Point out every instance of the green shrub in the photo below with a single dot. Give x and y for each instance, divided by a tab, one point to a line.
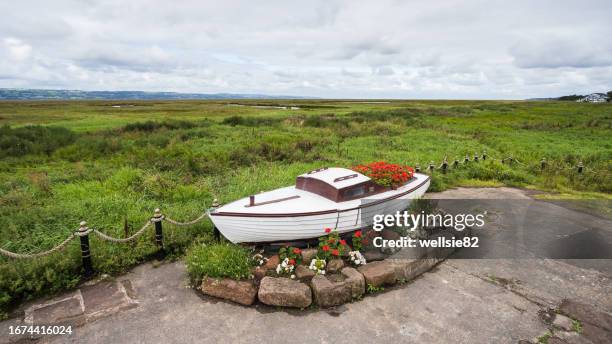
34	139
218	260
149	126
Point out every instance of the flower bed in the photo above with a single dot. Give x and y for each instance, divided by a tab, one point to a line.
331	274
386	174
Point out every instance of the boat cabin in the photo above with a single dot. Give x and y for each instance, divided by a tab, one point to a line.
338	184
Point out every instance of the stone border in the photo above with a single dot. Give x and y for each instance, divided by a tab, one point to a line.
344	285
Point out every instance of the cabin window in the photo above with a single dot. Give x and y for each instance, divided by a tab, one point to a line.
354	192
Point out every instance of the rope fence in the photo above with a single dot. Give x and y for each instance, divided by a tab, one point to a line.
83	234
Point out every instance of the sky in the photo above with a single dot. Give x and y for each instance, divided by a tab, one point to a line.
331	49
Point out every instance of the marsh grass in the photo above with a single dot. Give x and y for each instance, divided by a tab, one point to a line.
104	165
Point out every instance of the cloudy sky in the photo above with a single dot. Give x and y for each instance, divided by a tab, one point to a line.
360	49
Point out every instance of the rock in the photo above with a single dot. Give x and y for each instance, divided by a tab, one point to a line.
373	255
328	293
303	273
333	290
334	265
272	262
586	314
378	273
259	273
409	269
308	254
243	292
279	291
389	234
355	280
562	322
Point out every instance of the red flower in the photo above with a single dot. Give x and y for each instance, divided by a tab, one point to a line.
358	234
327	230
325	248
342	242
291	261
335	252
297	250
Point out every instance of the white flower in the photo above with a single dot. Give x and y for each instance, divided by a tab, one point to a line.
292	276
322	272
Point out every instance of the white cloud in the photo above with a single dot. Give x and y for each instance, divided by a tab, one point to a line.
17	50
400	49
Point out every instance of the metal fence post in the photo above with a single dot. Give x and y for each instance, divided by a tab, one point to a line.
85	253
444	165
159	234
580	167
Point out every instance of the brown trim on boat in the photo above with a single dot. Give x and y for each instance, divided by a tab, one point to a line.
322	212
272	201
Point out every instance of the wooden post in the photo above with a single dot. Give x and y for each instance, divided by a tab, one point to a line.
431	167
159	234
88	270
251	200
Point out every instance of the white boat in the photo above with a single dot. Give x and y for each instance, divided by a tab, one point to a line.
336	198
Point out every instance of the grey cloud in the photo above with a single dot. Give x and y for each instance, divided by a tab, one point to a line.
574	52
329	48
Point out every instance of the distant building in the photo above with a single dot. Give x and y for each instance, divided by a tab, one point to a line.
594	98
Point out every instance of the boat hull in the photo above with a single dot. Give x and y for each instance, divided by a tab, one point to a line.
246	228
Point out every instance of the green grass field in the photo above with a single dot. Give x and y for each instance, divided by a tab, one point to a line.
62	162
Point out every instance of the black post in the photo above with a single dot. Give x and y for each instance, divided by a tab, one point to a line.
444	166
543	164
580	167
159	234
431	167
85	253
467	159
417	168
475	157
484	155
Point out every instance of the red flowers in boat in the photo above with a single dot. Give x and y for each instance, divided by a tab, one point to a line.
325	248
357	234
386	174
328	230
336	253
291	261
297	251
342	242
